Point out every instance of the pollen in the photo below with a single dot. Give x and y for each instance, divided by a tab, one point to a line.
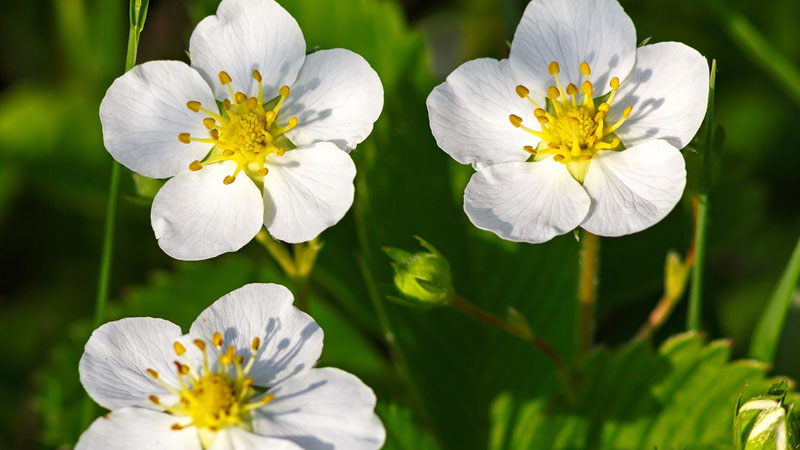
212	398
245	132
573	129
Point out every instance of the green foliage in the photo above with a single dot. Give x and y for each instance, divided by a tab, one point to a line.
680	396
768	421
768	330
402	432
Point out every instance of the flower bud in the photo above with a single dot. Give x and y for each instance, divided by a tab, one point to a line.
763	423
422	278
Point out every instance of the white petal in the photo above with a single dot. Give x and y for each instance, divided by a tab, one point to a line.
633	189
307	190
291	341
248	35
526	202
144	111
236	438
469	114
195	216
337	98
668	90
571	32
323	409
138	429
113	368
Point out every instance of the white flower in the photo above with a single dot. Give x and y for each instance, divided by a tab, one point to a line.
242	378
603	155
161	119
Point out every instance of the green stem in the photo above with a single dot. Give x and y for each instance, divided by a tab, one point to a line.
693	318
488	318
137	17
587	288
108	246
756	46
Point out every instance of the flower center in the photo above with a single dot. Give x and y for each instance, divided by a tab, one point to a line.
212	399
244	133
572	131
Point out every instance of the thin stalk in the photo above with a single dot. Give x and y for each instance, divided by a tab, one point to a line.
278	252
488	318
741	31
587	288
297	266
137	17
693	318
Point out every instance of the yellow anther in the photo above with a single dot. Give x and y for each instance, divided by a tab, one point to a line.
247	382
226	181
585	68
529	149
153	399
281	151
195	166
182	369
194	105
209	123
226	104
522	91
179	348
176	427
240	98
152	373
552	93
543	120
270	116
263	171
603	107
515	120
627	112
255	344
252	103
284	91
558	158
214	134
257	75
216	339
572	89
199	343
224	78
228	153
614	83
587	88
553	68
185	138
539	112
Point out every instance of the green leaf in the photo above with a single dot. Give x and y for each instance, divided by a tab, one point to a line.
680	396
402	431
766	336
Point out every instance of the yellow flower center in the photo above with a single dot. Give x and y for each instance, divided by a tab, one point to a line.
245	133
572	131
213	400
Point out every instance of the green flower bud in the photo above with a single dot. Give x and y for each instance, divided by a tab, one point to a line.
422	278
764	423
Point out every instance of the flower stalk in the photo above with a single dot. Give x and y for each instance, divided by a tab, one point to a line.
522	332
297	265
696	293
587	288
138	13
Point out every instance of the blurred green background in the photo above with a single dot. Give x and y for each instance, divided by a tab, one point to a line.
437	382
